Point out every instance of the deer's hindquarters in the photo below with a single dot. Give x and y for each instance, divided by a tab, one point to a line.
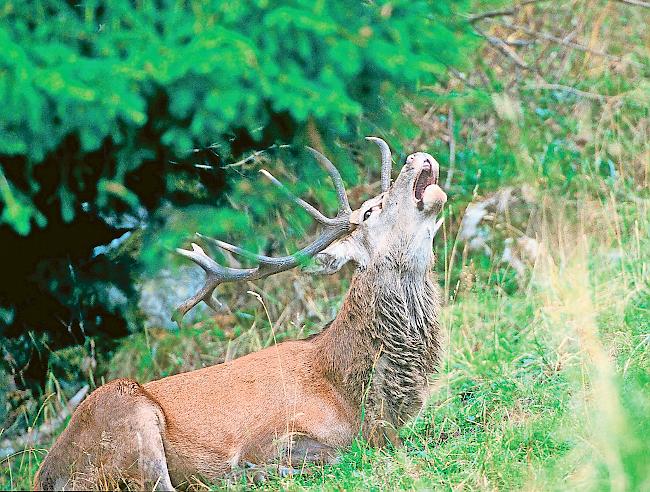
114	437
269	406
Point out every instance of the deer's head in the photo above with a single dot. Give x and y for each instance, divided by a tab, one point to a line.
398	220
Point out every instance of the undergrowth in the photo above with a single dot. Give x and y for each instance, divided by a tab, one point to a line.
543	389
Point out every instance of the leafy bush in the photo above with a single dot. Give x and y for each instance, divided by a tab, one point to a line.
142	83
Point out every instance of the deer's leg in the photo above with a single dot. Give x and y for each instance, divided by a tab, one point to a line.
304	449
152	462
114	437
260	473
300	450
125	441
129	441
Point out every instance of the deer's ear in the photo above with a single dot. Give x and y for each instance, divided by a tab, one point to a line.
337	254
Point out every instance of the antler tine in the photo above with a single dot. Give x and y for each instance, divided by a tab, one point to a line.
214	275
386	161
344	204
311	210
239	251
332	229
217	274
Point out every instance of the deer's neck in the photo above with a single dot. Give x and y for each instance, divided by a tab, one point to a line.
387	332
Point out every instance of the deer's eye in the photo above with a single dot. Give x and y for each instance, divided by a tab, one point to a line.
367	214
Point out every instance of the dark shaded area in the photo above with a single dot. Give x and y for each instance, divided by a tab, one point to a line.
53	286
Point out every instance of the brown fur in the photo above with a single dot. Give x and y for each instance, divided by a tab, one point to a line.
303	398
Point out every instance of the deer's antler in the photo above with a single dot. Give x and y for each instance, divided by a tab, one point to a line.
386	162
332	229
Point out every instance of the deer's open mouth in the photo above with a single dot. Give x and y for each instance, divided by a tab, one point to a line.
424	179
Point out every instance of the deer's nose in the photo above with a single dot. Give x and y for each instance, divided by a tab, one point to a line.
410	158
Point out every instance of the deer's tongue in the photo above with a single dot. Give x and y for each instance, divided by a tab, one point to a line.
424	179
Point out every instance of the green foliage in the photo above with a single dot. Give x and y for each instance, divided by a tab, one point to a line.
187	74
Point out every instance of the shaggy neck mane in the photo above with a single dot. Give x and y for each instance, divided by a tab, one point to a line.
387	332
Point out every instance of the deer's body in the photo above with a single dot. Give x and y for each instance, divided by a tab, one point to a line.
294	402
255	407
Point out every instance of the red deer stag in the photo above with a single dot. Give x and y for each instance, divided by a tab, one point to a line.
298	401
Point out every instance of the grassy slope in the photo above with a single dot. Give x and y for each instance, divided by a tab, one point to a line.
544	389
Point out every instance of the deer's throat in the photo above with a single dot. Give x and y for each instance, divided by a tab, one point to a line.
388	321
